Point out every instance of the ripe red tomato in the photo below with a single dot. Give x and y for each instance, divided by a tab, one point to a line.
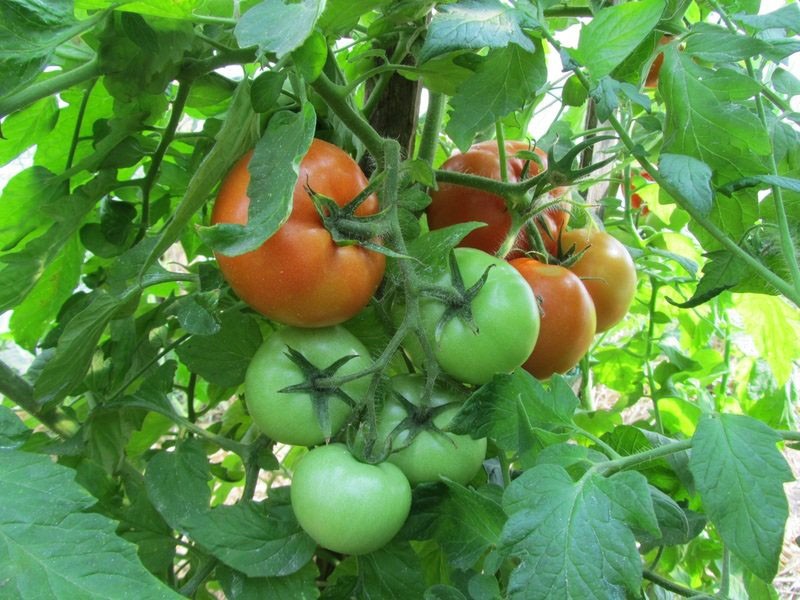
652	75
607	271
567	317
452	204
636	199
300	276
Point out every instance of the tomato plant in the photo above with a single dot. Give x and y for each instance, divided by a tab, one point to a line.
431	453
567	317
607	270
294	417
300	276
496	330
348	506
178	326
453	203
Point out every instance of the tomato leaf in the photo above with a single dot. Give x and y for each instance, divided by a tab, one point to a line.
261	539
177	482
723	271
394	572
278	27
785	17
474	24
740	474
606	96
13	432
222	358
494	410
504	82
51	548
761	181
297	586
574	540
75	350
691	177
717	45
274	169
266	89
614	33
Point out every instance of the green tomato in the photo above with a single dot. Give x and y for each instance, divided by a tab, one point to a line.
290	418
506	321
348	506
431	454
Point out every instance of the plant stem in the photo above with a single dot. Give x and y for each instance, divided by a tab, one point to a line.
607	450
19	391
334	96
655	286
399	54
670	585
155	164
73	147
633	460
48	87
200	575
433	125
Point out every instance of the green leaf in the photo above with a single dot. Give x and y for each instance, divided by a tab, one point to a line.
717	45
443	592
691	177
222	358
25	128
723	271
740	474
340	16
574	94
392	573
614	33
310	58
785	17
494	409
13	432
196	313
177	483
503	83
784	81
274	168
606	96
772	323
29	31
75	350
260	539
297	586
278	27
574	540
472	25
677	526
35	313
177	9
49	548
266	90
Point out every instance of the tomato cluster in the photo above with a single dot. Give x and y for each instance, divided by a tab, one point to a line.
309	382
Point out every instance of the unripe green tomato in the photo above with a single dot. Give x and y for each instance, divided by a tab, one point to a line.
506	319
430	455
348	506
289	418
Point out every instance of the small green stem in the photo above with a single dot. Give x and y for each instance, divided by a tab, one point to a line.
155	164
335	98
501	151
655	286
73	147
200	575
48	87
634	460
429	141
607	450
670	585
587	398
725	576
400	52
20	392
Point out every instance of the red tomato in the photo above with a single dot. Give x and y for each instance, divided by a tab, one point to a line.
452	204
652	75
606	270
567	317
300	276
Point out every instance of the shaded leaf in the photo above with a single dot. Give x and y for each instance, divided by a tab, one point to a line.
278	27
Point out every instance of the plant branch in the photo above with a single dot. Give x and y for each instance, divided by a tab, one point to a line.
670	585
335	98
19	391
634	460
48	87
433	125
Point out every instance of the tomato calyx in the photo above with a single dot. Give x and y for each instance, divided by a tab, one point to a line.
457	299
347	228
418	420
321	387
560	172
